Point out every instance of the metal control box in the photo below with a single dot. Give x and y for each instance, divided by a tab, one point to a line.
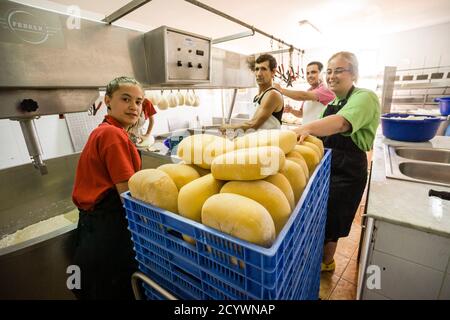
177	57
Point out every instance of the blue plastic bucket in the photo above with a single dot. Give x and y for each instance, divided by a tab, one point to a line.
172	142
444	105
409	130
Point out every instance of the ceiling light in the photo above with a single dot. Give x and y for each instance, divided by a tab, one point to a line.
307	24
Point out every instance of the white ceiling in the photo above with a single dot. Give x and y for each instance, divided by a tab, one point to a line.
339	21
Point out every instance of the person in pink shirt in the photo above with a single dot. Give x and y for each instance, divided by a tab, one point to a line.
314	100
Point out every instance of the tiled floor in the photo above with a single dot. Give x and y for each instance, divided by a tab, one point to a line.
341	284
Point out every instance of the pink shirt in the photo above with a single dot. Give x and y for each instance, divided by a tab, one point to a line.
324	95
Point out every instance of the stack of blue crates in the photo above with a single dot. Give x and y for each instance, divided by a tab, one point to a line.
222	267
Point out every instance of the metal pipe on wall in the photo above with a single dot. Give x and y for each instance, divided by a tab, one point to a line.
126	9
233	101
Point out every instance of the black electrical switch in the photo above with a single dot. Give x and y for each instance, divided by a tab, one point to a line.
190	65
179	63
199	66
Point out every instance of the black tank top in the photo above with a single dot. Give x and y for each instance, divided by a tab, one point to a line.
277	114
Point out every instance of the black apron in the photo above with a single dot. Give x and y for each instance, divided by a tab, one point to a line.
104	251
347	181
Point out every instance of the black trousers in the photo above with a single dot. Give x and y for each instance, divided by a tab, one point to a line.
104	252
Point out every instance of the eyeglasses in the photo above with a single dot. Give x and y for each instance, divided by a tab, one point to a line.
337	71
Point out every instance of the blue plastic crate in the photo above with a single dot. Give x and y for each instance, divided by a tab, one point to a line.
220	266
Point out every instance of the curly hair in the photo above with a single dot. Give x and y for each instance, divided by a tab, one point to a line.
268	57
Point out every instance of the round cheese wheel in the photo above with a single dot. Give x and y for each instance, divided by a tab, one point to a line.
294	173
181	174
284	139
283	184
193	195
266	194
248	164
155	187
248	220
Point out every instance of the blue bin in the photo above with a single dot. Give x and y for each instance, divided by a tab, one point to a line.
444	105
222	267
409	130
172	142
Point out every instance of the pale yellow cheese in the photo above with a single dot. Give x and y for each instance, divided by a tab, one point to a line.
284	139
191	149
318	142
216	148
248	164
266	194
181	174
202	172
294	173
300	160
240	217
312	146
189	239
283	184
193	195
310	156
155	187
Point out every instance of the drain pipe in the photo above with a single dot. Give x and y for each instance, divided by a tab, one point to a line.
32	141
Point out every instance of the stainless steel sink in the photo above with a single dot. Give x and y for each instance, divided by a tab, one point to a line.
426	171
424	165
423	154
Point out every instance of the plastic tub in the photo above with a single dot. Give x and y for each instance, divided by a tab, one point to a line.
410	130
444	105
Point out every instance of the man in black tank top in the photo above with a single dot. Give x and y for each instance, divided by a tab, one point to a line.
268	101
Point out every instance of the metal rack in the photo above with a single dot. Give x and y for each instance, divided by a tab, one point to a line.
406	89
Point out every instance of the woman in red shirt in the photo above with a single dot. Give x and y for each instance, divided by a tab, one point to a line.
104	250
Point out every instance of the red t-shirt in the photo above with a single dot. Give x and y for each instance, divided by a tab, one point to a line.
147	107
108	158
